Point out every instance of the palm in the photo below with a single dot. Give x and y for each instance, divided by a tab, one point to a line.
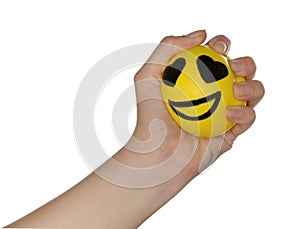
203	151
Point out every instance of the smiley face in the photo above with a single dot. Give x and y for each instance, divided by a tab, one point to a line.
197	87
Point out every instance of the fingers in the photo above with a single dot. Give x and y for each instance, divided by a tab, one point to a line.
240	114
243	67
168	47
220	44
244	117
251	91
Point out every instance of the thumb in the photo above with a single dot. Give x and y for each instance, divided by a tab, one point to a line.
167	48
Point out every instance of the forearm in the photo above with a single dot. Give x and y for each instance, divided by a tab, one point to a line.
96	203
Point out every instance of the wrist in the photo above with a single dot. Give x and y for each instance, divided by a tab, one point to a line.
143	190
169	167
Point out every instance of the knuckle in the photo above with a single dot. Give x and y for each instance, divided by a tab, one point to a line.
262	89
138	76
251	63
168	40
223	38
252	115
259	88
220	43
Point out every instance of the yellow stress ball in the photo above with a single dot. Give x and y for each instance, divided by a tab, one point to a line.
197	87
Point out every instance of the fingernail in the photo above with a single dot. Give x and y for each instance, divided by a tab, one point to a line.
221	47
195	34
242	90
237	66
234	114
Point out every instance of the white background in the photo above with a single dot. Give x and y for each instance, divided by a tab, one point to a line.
47	47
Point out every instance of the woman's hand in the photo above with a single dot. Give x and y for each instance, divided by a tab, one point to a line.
161	137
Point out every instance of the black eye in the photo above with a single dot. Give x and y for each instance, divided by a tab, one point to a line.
173	71
211	70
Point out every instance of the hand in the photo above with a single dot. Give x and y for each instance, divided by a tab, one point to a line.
198	153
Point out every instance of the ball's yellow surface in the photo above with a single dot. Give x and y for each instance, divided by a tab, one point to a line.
197	87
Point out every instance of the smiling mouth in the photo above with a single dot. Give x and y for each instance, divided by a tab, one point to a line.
215	98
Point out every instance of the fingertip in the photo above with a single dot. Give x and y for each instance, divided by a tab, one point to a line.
242	90
252	91
220	44
243	67
197	33
241	114
234	113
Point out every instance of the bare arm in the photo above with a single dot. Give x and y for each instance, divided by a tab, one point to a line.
96	203
102	203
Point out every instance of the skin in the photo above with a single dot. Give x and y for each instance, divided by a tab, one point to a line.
96	203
